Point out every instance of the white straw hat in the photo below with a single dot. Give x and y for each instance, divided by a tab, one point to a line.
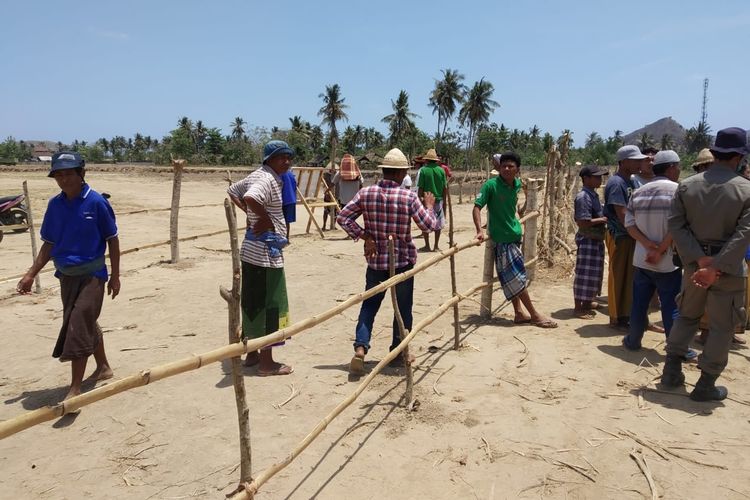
395	159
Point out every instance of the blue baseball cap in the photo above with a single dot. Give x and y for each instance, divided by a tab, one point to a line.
273	148
65	160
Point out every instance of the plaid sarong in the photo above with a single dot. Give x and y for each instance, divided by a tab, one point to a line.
589	269
511	270
439	214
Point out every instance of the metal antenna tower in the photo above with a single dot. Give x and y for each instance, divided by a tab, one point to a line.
705	98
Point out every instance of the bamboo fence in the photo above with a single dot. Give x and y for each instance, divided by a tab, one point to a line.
145	377
263	477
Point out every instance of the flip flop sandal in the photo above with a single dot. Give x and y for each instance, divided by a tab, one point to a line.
545	324
281	370
586	315
524	321
357	366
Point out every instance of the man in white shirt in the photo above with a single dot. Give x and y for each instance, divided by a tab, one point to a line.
646	222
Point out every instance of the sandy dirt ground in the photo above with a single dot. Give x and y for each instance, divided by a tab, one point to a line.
500	422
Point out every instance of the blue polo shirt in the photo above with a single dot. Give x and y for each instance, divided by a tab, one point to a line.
78	229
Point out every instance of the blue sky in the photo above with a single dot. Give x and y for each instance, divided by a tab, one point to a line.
91	69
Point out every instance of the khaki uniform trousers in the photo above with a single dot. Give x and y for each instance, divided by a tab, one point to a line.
724	302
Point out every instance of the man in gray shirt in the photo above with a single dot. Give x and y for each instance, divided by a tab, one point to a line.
710	224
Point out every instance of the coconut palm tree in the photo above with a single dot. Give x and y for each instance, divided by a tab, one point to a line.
645	141
333	111
400	122
593	139
238	128
447	93
476	109
666	142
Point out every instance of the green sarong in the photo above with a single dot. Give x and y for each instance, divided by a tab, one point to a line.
265	308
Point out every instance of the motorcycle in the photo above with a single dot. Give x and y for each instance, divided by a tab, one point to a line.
13	213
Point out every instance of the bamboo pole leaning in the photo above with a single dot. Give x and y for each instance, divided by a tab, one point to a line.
252	488
35	417
238	379
32	233
409	394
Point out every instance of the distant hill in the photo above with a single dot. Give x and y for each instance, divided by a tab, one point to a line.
657	130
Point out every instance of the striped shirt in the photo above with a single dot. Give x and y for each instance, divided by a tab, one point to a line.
648	209
387	209
263	186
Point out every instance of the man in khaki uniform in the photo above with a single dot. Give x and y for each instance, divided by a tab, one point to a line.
710	224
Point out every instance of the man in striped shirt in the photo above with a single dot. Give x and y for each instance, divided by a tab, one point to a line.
265	307
646	222
387	209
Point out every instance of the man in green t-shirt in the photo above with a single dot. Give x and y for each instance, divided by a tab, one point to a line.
500	195
432	180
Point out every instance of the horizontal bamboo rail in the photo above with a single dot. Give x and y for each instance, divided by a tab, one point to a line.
263	477
132	250
13	227
35	417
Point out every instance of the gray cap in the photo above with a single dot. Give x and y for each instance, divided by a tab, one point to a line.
666	156
630	153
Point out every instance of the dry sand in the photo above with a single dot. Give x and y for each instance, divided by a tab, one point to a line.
499	427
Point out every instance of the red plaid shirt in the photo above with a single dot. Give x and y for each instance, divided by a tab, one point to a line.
387	208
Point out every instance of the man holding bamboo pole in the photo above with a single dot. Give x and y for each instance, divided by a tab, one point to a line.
388	210
78	226
265	308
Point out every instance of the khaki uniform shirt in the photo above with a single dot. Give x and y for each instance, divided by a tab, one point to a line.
713	208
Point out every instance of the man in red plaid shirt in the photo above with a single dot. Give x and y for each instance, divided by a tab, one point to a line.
387	209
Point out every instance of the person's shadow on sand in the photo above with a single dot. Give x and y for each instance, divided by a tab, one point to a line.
635	357
33	400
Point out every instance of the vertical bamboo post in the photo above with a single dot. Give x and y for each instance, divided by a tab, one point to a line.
174	244
32	233
530	232
409	395
451	244
488	275
233	305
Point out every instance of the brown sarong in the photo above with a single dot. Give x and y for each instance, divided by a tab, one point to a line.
82	298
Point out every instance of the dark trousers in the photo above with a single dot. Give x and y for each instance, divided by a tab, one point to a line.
371	306
645	282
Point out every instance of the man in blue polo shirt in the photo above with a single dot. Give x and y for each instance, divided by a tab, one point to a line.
78	225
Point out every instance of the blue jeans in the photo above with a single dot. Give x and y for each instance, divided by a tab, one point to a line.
645	282
370	307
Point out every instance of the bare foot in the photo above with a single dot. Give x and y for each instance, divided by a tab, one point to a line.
425	248
521	319
542	322
102	373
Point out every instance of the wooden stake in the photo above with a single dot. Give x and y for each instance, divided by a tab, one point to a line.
252	488
177	166
238	380
530	232
35	417
310	213
32	233
488	275
409	394
456	326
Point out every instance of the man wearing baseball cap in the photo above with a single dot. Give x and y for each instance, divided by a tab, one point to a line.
589	217
78	226
710	224
620	245
654	270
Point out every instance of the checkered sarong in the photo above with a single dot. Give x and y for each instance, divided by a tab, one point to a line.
439	210
511	270
589	269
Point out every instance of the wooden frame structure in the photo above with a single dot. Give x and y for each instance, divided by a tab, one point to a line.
311	191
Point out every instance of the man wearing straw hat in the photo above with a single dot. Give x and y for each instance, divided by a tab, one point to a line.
703	161
265	307
78	226
387	210
432	179
710	224
500	195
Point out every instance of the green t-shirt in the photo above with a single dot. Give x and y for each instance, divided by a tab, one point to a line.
432	179
501	201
